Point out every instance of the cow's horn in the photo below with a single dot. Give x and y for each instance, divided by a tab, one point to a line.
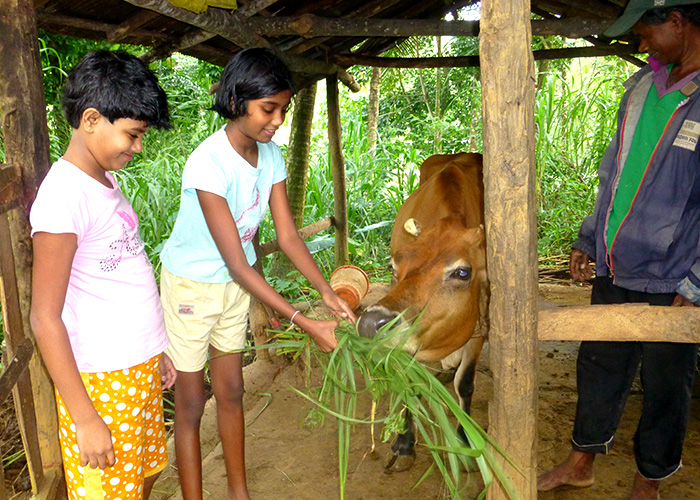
411	226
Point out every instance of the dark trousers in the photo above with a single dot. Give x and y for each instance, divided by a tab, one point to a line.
605	372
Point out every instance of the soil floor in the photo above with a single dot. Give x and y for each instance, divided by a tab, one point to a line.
286	460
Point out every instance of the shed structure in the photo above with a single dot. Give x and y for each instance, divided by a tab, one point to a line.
319	39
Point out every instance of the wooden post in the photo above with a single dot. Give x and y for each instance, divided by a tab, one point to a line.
26	141
335	143
508	96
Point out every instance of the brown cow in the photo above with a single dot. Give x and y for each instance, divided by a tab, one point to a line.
438	254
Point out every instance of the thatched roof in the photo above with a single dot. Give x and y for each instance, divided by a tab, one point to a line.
316	37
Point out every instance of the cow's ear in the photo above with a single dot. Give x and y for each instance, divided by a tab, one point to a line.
411	226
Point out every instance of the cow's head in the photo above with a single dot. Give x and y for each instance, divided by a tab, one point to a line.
441	288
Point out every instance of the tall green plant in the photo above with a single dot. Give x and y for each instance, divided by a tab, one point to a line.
575	118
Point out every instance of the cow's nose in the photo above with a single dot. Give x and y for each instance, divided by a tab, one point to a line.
372	320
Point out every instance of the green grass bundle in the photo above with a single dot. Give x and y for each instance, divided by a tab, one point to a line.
380	368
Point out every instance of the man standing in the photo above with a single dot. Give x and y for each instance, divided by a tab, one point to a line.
644	238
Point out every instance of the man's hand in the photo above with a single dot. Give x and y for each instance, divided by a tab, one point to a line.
578	265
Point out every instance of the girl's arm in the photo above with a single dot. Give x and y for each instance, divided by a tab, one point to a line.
53	259
297	252
225	234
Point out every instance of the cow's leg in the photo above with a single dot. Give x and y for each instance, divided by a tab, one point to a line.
466	373
403	451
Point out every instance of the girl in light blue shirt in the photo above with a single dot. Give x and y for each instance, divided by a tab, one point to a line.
207	279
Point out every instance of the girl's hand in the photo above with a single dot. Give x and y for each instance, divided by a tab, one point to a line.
168	373
95	444
323	333
338	306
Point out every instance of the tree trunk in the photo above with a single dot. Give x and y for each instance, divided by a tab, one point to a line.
340	200
26	143
375	82
297	167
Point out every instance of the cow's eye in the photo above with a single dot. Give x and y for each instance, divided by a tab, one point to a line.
462	273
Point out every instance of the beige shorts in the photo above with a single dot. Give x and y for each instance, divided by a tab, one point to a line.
198	315
131	404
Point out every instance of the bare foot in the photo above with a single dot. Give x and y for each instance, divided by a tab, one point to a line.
577	470
644	489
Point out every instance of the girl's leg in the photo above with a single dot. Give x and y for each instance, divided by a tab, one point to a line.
148	483
189	407
227	384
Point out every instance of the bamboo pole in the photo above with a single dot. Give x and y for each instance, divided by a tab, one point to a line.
340	204
508	96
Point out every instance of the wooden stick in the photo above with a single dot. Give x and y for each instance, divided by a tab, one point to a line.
305	232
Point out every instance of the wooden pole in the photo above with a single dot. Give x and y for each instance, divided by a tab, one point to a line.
26	142
508	97
335	143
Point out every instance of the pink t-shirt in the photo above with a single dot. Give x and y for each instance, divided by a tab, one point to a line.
112	310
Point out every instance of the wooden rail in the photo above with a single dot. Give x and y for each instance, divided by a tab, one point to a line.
620	322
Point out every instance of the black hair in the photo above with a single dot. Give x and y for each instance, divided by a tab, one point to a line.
250	74
118	85
659	15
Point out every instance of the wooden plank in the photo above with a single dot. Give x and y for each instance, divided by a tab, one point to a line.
620	322
508	98
14	337
14	370
335	145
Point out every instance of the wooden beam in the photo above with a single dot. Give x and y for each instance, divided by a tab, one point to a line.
200	36
238	32
508	100
620	322
166	50
310	26
134	22
62	21
592	40
368	10
617	49
216	21
335	145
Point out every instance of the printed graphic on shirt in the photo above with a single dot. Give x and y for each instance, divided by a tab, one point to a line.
250	232
687	138
130	242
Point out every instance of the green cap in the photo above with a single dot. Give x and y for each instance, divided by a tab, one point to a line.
635	10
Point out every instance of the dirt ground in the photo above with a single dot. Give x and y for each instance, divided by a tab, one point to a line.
288	461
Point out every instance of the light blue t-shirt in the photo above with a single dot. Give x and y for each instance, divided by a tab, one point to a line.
217	168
